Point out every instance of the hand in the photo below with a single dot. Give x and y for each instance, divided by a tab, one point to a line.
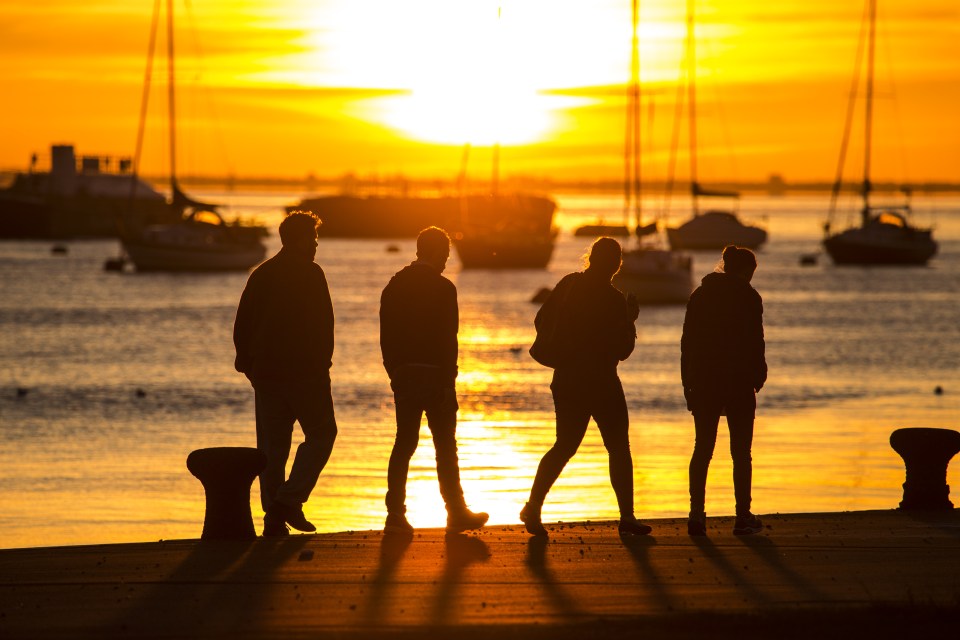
633	307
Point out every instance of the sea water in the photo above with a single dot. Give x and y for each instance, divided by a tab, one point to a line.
109	380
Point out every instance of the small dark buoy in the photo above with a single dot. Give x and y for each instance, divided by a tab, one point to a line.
938	390
141	393
114	264
516	349
59	249
808	259
22	391
541	296
392	248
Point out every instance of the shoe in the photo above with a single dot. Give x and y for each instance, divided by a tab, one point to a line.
747	524
293	516
630	527
397	524
465	520
530	517
274	527
697	525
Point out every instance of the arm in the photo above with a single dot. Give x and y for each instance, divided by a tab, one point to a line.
326	329
245	326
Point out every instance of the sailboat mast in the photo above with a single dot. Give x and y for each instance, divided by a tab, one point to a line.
868	121
171	101
631	150
692	100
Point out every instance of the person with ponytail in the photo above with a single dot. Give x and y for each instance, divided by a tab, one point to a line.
722	367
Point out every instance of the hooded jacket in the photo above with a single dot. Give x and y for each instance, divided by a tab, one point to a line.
722	341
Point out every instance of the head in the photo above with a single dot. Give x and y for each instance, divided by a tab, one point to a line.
433	247
298	233
739	262
605	257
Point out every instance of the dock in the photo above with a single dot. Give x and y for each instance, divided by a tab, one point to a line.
846	575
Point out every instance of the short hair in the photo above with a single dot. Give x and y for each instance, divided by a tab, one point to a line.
738	260
432	241
297	225
605	254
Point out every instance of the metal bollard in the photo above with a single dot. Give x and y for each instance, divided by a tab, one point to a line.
226	474
926	453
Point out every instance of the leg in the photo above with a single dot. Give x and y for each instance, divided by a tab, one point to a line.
409	413
741	410
274	434
705	421
441	413
610	412
573	416
313	405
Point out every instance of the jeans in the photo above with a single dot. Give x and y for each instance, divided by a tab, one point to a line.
278	405
740	404
576	399
417	392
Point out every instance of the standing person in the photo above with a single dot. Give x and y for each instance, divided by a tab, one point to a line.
419	321
723	367
284	339
592	327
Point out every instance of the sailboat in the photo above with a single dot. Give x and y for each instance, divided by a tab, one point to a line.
885	235
652	274
200	240
715	228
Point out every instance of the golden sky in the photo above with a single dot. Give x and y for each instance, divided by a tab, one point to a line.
288	87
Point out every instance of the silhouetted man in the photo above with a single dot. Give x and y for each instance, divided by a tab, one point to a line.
284	339
593	330
419	320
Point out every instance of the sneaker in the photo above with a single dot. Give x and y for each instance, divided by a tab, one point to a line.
530	517
697	525
747	524
397	524
274	527
294	517
465	520
630	527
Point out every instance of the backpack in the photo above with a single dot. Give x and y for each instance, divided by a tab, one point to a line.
548	346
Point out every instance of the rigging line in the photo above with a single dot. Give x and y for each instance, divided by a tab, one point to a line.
675	136
848	121
885	38
692	102
144	99
868	125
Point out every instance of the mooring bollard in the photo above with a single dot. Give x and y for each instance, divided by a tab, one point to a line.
926	453
226	474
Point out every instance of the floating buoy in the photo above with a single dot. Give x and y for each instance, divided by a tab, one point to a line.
808	259
141	393
392	248
59	249
114	264
516	349
22	391
938	390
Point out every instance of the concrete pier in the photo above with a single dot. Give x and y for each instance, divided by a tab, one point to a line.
846	575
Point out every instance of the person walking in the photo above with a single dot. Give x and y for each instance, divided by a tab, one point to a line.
588	328
723	367
283	335
419	321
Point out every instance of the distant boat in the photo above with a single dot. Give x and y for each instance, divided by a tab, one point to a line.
85	197
600	228
650	273
885	235
198	239
715	229
510	231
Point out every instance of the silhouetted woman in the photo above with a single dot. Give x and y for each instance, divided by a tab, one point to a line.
722	366
593	330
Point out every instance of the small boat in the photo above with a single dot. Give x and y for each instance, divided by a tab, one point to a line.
652	274
715	229
198	239
885	235
505	232
602	229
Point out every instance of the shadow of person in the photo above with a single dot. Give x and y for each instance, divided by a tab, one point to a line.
461	551
737	579
393	546
768	551
639	549
536	561
205	588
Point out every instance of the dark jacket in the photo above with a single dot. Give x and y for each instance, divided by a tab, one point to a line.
594	330
419	320
722	341
284	325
